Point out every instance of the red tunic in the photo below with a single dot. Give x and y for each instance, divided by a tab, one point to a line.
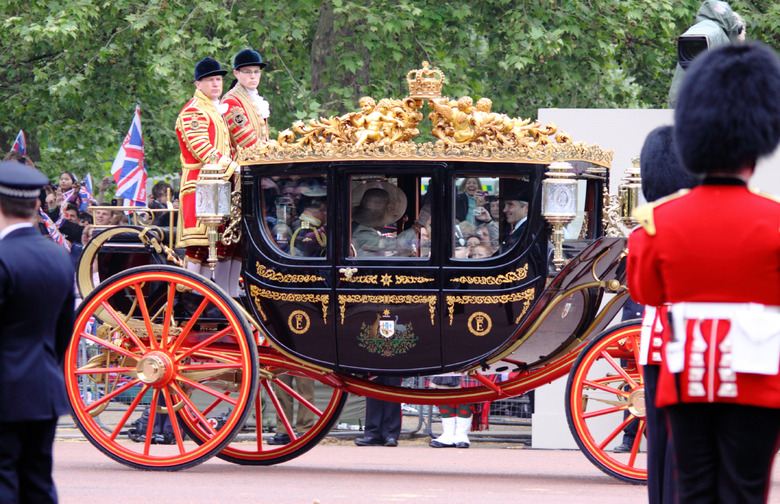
712	244
247	126
202	134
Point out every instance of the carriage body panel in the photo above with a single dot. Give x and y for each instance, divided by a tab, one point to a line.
440	313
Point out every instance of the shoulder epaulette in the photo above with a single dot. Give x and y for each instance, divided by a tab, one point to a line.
763	194
644	213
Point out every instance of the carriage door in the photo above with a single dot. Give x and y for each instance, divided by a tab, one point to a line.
387	278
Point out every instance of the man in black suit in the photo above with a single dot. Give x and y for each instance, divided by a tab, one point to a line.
36	320
516	212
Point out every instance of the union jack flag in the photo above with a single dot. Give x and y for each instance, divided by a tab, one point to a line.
51	228
20	144
88	184
129	168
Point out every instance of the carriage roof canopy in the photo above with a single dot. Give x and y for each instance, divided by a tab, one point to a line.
386	129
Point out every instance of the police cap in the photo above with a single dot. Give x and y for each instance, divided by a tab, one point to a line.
18	180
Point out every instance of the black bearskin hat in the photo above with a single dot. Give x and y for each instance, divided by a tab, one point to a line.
248	57
208	67
728	112
662	172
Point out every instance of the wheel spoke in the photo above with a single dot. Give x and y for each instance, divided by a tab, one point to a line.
105	370
620	428
129	332
279	411
109	345
259	421
619	369
205	389
208	409
168	315
298	397
111	395
214	337
130	410
190	324
196	413
605	411
150	422
209	366
596	385
172	417
635	345
637	441
139	295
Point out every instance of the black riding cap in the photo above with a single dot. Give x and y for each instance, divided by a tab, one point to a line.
208	67
248	57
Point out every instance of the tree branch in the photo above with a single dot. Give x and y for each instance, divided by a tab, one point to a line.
300	89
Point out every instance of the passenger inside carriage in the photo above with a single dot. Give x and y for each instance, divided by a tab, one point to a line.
497	216
295	214
380	204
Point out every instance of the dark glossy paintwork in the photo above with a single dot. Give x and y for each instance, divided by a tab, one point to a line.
443	303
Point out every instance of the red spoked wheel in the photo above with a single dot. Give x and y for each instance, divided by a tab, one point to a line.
278	377
177	345
605	394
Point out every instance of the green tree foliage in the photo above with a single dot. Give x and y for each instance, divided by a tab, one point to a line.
73	70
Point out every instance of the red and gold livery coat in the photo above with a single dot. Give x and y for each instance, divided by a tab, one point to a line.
716	243
202	134
247	126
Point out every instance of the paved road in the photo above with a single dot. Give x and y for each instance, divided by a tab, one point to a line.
337	472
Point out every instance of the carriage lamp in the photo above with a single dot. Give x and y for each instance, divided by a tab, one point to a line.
212	204
629	191
559	204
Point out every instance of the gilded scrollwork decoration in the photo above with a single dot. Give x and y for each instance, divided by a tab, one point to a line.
362	279
386	128
404	279
513	276
526	297
258	294
277	276
430	300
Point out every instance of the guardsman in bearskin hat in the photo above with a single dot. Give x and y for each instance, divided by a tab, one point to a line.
203	138
36	322
713	255
247	114
662	175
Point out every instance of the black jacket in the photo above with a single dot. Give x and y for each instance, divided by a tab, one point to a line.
36	322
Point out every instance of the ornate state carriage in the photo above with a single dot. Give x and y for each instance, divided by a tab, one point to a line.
320	303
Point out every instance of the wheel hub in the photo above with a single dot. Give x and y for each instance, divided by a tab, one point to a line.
154	369
636	402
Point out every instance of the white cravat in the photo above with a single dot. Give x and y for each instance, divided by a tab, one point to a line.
260	103
221	107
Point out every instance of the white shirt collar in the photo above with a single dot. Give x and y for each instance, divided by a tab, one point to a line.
13	227
519	223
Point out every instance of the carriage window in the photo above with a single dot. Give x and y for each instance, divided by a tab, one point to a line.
490	215
390	217
295	214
